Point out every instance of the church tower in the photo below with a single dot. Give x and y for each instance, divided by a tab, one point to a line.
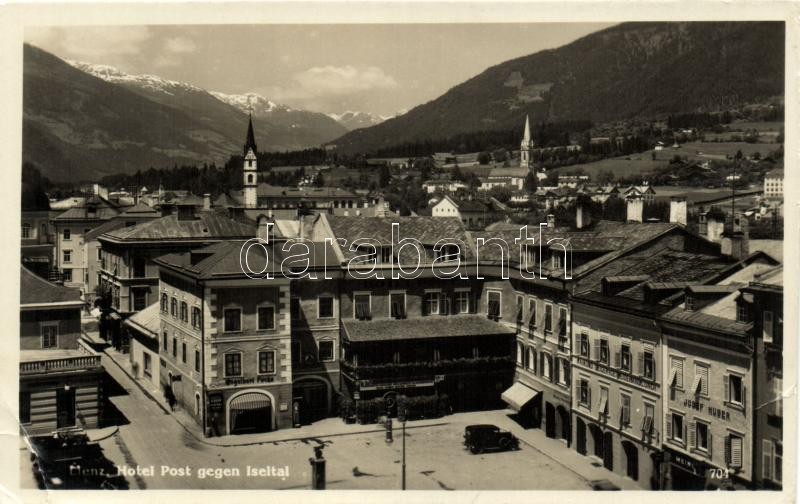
250	168
525	146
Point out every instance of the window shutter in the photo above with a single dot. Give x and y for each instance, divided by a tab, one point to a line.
556	372
640	366
744	396
668	423
443	305
728	450
596	349
473	302
766	464
617	359
736	452
566	373
727	393
692	435
710	444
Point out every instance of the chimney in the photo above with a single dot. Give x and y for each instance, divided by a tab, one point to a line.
551	220
262	231
677	210
206	201
635	207
583	217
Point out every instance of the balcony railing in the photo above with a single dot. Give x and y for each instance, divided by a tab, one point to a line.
404	371
85	358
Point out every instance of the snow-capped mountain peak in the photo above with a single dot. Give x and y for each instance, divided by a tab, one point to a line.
353	120
114	75
260	105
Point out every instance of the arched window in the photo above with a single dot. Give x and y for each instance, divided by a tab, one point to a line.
164	303
250	178
520	353
174	308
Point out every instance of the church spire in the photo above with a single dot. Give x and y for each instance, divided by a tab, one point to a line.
526	137
251	138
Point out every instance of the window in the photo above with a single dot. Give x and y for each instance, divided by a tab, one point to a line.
699	436
50	336
584	393
741	312
147	364
625	358
531	359
139	299
675	427
361	306
625	410
184	312
548	317
519	309
584	345
26	231
733	450
700	384
67	275
647	421
325	307
266	362
165	343
233	319
767	326
431	303
734	390
547	363
675	373
67	234
175	347
604	351
173	307
183	352
294	307
366	254
297	352
196	318
462	301
493	306
266	318
520	354
562	322
99	254
164	303
447	253
562	372
233	364
326	351
689	303
648	365
24	406
772	462
67	256
397	302
197	360
532	313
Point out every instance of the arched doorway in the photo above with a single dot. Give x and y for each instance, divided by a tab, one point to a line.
631	460
597	440
314	396
608	451
549	420
563	420
580	435
250	411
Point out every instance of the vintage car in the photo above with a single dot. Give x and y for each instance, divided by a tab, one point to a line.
482	437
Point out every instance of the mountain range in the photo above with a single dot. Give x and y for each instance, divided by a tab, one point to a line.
83	121
628	71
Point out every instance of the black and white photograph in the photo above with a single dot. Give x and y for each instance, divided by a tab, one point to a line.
465	254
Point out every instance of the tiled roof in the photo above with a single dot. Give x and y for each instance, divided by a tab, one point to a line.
707	321
140	210
450	326
206	225
35	290
508	172
428	230
82	213
224	259
146	321
103	228
271	191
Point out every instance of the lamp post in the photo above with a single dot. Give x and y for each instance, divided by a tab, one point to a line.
402	417
317	469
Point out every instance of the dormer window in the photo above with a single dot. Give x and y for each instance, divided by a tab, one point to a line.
741	313
689	303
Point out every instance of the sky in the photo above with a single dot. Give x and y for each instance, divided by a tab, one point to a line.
375	68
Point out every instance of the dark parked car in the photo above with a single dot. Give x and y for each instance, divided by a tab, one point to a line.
603	484
479	438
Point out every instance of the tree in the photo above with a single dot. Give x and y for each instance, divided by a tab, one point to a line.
34	187
384	176
484	158
531	182
319	180
500	193
500	155
456	174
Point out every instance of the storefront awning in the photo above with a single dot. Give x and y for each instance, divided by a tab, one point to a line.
518	395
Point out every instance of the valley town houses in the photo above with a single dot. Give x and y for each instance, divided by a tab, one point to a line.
637	343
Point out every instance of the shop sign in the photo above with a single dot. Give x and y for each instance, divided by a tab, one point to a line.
688	464
720	413
215	402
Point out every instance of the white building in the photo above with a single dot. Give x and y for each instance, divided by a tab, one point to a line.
773	184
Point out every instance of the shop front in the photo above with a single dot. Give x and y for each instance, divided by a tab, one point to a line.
248	410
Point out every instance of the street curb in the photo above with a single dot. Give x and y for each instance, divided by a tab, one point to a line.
252	443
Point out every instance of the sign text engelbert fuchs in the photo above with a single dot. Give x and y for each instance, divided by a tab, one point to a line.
446	265
266	471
